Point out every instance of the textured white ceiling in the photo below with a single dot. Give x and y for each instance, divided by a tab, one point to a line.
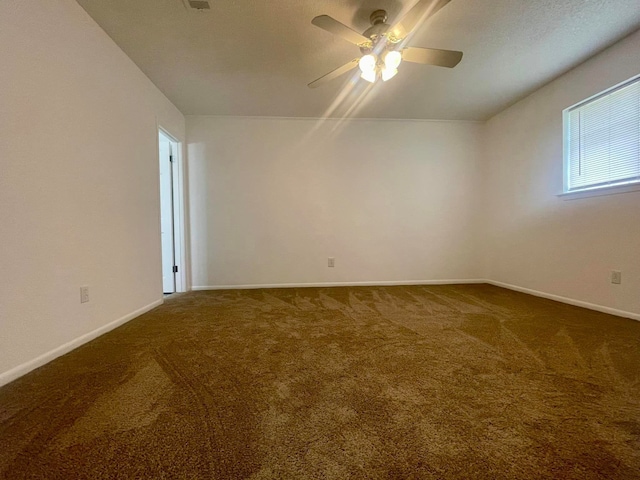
255	57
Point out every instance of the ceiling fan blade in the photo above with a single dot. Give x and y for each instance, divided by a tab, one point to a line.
332	25
420	12
432	56
335	73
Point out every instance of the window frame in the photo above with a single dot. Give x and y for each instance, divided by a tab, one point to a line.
600	188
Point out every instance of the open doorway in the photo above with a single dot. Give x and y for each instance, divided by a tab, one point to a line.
170	213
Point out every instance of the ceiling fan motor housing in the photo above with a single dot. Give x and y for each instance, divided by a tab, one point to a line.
379	29
379	16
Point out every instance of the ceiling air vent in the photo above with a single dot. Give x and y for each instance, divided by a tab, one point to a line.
197	5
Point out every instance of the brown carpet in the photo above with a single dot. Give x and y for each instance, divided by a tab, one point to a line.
468	381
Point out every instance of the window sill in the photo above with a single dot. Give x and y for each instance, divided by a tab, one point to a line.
597	192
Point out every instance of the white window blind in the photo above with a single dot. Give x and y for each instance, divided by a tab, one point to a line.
602	139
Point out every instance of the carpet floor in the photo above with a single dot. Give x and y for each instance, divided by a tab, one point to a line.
442	382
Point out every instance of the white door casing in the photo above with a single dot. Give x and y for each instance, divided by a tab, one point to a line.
166	214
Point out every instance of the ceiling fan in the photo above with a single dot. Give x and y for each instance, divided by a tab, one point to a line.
382	45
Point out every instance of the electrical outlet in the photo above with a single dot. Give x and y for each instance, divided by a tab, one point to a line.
616	277
331	262
84	294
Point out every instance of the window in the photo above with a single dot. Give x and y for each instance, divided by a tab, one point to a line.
602	139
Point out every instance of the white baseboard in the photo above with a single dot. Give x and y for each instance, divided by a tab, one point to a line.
26	367
338	284
557	298
570	301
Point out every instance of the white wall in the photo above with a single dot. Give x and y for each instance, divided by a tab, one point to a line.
272	199
79	197
533	238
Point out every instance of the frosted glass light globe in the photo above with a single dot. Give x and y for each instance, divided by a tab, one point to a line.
388	73
369	76
367	63
392	59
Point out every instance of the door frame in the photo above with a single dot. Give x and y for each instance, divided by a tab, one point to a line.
179	209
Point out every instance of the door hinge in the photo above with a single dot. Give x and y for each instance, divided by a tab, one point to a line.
171	158
175	269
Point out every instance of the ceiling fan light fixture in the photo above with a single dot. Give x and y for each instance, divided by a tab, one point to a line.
368	64
392	60
388	73
370	76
